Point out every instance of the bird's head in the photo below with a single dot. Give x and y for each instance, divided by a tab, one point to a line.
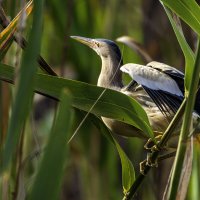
103	47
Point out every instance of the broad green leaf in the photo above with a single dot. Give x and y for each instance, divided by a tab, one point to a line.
128	172
47	184
187	51
188	10
7	35
113	104
24	90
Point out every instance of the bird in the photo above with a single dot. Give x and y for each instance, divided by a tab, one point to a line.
157	87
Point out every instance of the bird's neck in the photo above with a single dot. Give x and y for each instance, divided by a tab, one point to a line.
110	76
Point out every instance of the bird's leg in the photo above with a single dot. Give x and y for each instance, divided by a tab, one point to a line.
149	162
143	164
152	147
150	144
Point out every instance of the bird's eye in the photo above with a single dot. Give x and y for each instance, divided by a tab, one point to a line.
97	44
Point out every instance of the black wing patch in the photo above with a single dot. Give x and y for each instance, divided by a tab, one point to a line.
175	74
177	77
166	102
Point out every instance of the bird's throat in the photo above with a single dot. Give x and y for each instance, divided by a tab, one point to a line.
110	76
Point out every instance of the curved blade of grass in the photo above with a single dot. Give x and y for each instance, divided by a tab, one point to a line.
24	90
113	104
128	172
186	10
187	51
187	120
47	183
135	46
186	173
193	192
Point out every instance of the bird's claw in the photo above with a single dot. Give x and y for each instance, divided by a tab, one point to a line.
152	147
143	164
150	144
148	162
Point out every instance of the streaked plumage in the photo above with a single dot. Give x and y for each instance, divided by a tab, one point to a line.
159	88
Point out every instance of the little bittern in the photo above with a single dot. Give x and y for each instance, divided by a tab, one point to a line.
158	87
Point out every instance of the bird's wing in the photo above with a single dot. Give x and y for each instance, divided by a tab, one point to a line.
178	76
166	102
163	90
174	73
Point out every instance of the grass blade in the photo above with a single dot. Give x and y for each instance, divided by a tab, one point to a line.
135	46
187	51
47	183
187	120
187	10
24	91
193	192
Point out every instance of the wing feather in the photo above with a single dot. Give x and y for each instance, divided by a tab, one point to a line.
164	84
174	73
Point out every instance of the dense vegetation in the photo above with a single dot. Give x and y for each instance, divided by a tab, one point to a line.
44	102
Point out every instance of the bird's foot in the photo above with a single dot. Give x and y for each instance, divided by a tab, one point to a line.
151	146
151	143
148	162
143	165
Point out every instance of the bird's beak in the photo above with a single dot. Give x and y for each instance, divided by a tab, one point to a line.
87	41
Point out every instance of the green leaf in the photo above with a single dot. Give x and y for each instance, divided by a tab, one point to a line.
24	90
7	35
187	51
128	172
112	104
47	183
185	129
188	10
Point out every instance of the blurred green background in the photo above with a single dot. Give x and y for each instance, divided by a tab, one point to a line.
93	170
